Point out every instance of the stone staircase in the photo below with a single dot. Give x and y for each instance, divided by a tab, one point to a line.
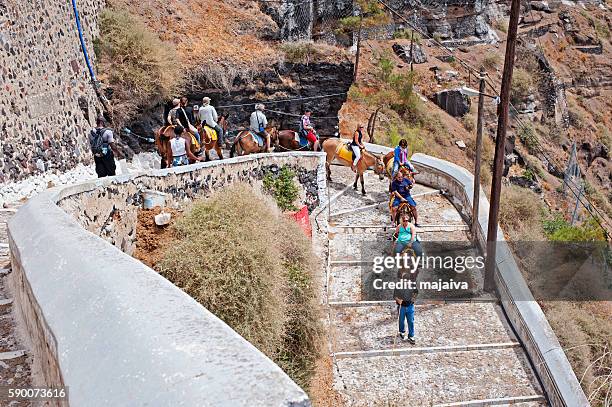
466	354
15	362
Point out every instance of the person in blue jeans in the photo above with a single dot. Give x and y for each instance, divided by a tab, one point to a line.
404	298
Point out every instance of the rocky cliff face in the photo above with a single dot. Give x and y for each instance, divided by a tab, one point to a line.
450	19
284	81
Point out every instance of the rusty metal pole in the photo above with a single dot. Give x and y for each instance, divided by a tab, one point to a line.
411	51
498	163
476	203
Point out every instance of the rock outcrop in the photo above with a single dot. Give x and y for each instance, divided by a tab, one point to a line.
452	101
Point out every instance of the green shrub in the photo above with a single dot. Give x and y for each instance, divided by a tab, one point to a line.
238	256
385	68
559	230
529	174
407	102
528	136
282	187
141	69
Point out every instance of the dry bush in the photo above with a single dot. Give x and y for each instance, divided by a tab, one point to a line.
491	60
305	52
520	213
522	84
469	122
134	63
583	329
238	256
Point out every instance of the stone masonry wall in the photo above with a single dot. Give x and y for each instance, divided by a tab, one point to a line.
47	103
111	211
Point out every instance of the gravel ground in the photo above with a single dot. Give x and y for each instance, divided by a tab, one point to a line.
422	378
375	327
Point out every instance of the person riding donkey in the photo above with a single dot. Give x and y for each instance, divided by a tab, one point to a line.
208	117
400	158
400	193
178	116
307	130
180	148
357	145
258	123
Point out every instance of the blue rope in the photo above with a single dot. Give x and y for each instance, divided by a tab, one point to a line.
83	47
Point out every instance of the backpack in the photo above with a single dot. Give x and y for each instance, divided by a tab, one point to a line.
98	147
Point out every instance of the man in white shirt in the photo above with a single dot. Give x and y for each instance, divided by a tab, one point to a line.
208	115
259	122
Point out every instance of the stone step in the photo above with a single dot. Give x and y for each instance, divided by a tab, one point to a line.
344	284
406	349
375	327
435	378
523	401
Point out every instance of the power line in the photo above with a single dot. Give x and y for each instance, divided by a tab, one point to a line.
299	115
284	100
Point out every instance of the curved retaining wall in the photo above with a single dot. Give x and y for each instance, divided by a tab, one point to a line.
113	330
96	315
527	318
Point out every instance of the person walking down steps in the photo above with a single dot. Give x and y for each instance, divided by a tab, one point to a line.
103	148
404	298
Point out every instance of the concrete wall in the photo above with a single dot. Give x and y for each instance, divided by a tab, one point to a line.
112	329
524	313
44	78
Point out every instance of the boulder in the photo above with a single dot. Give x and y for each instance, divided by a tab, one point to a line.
526	183
452	101
540	6
403	51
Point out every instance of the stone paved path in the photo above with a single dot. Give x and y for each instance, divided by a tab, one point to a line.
466	353
15	362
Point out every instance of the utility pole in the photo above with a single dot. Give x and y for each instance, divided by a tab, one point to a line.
476	204
498	163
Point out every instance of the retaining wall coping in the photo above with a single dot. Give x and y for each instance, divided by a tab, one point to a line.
124	335
540	341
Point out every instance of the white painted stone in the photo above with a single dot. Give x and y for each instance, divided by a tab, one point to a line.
163	218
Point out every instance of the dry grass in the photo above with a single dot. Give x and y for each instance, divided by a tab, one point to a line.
243	260
218	41
134	63
521	213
